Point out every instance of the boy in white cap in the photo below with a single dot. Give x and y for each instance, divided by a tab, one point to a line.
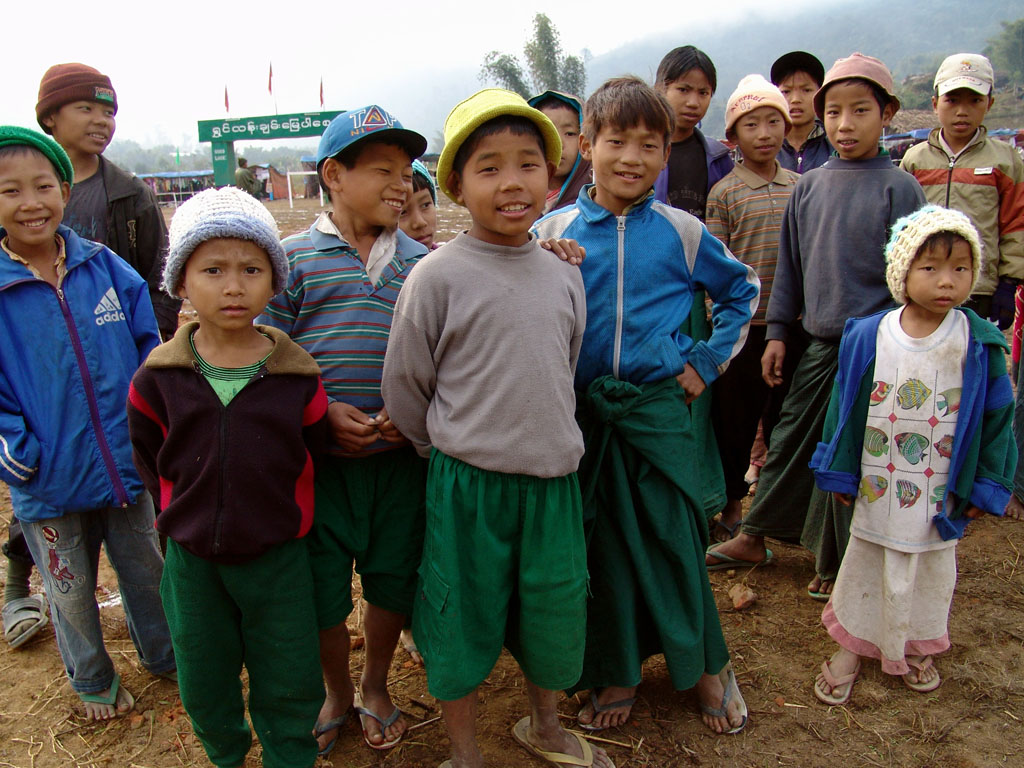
917	439
961	167
224	420
745	212
504	560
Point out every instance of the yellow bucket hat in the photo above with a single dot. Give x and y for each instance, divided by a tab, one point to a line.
478	109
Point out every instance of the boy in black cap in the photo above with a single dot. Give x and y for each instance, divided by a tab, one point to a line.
799	75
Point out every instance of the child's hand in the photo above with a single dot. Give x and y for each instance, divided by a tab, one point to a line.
843	498
566	249
691	382
973	512
351	428
771	362
388	431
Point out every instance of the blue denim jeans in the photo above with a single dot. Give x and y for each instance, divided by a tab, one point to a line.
66	550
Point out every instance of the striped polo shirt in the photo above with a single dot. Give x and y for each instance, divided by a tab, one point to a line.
333	310
745	212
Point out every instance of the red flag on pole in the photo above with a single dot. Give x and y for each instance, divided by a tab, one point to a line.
321	93
270	80
226	107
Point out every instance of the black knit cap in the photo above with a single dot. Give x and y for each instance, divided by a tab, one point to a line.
65	83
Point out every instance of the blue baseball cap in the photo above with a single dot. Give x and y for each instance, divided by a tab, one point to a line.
357	124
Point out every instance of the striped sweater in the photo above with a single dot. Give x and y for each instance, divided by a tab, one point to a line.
332	310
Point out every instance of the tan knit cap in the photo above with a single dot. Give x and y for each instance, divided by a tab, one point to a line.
909	234
753	92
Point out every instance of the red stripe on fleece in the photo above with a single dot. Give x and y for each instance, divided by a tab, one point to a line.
1011	204
304	496
315	408
139	403
166	492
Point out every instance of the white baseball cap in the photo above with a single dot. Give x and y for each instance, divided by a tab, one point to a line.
965	70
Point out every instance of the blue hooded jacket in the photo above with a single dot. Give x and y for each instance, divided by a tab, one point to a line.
67	358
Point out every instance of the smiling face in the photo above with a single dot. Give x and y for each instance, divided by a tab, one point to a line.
626	163
229	282
503	183
372	193
759	134
853	119
689	97
32	200
799	89
960	112
939	279
419	218
82	127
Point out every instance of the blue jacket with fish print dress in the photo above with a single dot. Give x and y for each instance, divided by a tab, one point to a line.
984	452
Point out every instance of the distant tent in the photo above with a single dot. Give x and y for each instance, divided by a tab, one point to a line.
175	187
312	188
277	189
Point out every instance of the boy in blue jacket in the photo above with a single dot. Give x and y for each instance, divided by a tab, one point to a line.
641	474
77	323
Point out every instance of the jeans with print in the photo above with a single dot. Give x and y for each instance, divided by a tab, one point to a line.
66	550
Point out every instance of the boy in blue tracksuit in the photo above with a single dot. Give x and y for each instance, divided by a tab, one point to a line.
642	475
77	323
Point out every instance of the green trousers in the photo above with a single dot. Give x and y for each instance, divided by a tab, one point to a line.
643	508
259	614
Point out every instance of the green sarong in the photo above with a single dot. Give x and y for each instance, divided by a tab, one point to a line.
642	501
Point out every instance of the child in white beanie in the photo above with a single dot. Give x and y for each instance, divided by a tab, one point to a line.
224	420
918	439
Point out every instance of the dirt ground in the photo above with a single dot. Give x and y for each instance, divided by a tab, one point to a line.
973	720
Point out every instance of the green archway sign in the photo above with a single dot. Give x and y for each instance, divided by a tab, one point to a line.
223	133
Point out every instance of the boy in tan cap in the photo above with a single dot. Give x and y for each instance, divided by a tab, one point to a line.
831	268
504	559
745	212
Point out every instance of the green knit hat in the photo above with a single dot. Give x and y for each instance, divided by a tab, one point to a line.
16	136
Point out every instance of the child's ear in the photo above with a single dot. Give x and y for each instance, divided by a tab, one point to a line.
455	185
585	147
887	114
65	192
333	174
935	104
49	121
551	169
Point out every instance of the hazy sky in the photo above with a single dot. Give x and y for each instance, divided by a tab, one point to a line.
170	62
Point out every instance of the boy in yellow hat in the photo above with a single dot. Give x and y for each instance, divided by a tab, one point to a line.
504	559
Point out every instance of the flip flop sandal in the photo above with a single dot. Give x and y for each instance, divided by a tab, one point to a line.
620	704
521	733
384	723
22	609
842	687
730	530
111	698
921	666
725	561
732	689
330	725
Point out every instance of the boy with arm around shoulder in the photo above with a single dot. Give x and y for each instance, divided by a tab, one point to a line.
72	309
225	418
504	561
831	267
636	377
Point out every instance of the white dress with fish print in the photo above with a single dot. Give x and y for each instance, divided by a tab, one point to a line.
896	581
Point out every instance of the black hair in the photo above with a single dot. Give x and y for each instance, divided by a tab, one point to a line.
879	94
349	156
625	102
18	150
517	125
421	182
679	61
553	102
943	242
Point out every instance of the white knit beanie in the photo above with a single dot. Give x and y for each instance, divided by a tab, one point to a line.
226	212
909	234
753	92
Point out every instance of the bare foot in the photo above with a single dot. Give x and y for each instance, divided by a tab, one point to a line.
842	663
711	693
95	710
1014	509
335	705
608	717
379	702
744	547
559	740
409	643
727	525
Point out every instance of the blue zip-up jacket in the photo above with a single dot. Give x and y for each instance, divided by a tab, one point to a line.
813	154
66	361
718	159
640	274
984	452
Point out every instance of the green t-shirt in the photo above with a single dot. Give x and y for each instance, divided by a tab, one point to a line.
226	382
